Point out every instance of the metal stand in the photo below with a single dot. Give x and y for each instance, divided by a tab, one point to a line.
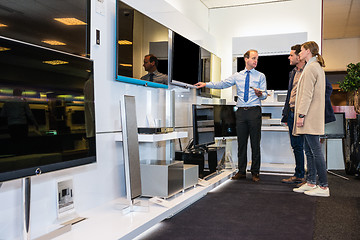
26	194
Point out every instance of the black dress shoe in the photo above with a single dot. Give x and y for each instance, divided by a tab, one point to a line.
238	176
255	177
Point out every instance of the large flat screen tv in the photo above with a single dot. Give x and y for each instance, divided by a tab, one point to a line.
186	62
40	90
276	69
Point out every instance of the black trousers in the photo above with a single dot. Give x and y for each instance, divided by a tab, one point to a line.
248	123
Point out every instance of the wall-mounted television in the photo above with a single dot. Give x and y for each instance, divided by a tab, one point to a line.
276	69
186	62
137	36
37	85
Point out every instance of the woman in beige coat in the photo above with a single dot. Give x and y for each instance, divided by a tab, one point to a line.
309	119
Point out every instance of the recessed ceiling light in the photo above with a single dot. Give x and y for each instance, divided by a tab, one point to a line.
3	25
124	42
70	21
53	42
125	65
4	49
55	62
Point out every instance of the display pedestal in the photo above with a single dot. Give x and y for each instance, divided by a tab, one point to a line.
134	205
191	175
161	178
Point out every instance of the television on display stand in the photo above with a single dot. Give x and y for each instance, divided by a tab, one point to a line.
40	139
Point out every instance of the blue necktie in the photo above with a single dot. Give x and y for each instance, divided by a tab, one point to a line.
247	83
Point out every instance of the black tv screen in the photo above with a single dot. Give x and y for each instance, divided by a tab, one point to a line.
276	69
224	120
186	62
37	85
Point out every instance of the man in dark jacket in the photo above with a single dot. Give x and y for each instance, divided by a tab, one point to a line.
297	142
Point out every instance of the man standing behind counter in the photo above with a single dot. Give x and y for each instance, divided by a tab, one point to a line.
251	88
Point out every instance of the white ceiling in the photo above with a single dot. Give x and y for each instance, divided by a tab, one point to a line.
341	17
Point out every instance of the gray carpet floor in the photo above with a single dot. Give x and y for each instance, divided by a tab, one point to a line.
269	210
338	217
245	210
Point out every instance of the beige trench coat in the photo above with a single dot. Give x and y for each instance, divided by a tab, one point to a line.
310	99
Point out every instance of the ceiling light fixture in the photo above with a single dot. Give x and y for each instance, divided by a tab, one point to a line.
125	65
54	42
124	42
55	62
4	49
70	21
3	25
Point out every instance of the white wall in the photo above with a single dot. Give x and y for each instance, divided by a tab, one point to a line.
338	53
102	182
195	10
264	19
99	183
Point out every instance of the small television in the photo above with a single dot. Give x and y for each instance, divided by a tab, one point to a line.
276	69
336	129
186	62
203	125
44	82
225	120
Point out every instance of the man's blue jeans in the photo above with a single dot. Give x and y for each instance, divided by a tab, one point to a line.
297	144
315	160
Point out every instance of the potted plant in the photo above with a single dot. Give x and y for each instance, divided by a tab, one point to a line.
351	85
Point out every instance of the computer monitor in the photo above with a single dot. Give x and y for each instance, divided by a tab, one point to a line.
336	129
225	121
203	125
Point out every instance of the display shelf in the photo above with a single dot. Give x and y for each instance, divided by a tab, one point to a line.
107	222
155	137
263	128
272	104
275	128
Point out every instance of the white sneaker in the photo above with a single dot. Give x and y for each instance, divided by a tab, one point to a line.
319	192
305	187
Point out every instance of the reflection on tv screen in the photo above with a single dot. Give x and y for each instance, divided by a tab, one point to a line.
46	110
